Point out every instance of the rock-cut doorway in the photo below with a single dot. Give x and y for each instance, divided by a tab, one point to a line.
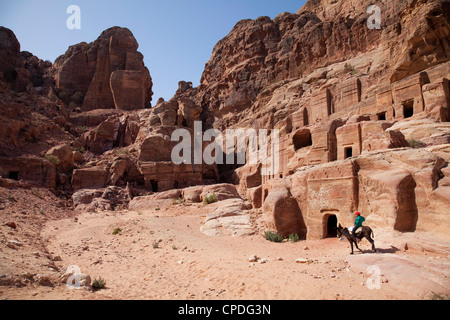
330	226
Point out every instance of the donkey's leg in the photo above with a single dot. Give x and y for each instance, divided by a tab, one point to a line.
356	244
373	244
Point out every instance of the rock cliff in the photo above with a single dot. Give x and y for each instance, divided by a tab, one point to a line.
362	115
108	73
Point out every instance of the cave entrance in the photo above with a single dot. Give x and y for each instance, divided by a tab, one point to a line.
13	175
154	185
331	226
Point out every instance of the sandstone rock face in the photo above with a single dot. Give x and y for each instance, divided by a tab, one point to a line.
282	211
129	89
9	51
362	116
90	178
36	170
104	136
64	156
108	73
95	200
229	219
336	92
20	70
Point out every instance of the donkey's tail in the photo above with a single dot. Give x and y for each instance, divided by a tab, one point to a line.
373	234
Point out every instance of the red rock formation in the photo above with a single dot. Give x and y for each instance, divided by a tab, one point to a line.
108	73
350	102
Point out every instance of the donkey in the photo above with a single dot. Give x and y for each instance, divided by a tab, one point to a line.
365	232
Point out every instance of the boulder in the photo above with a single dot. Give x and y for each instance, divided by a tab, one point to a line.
90	178
94	200
222	192
282	213
193	194
64	156
231	218
103	138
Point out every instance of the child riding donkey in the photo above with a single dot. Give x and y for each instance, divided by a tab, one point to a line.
354	238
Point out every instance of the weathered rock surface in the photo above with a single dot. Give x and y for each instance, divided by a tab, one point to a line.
231	218
108	73
361	115
90	178
94	200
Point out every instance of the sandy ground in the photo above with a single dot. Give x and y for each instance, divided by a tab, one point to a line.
188	265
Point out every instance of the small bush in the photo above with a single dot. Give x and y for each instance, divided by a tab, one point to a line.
77	98
348	68
53	159
178	202
155	244
122	151
273	236
116	231
438	297
416	144
98	284
210	199
294	238
80	149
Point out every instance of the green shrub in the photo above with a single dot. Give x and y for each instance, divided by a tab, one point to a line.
78	98
122	151
116	231
416	144
210	199
178	202
98	284
53	159
438	297
273	236
80	149
294	238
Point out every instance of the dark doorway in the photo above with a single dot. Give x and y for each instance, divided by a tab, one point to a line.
154	185
332	226
348	153
13	175
408	109
382	116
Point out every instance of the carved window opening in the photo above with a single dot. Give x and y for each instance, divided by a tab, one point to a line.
382	116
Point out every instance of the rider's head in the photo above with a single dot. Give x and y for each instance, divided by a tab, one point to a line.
357	214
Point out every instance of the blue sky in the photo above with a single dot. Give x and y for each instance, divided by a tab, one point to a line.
176	37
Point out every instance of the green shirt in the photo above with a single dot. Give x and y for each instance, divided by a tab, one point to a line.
359	221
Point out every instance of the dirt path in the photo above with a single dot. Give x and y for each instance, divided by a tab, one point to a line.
188	265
